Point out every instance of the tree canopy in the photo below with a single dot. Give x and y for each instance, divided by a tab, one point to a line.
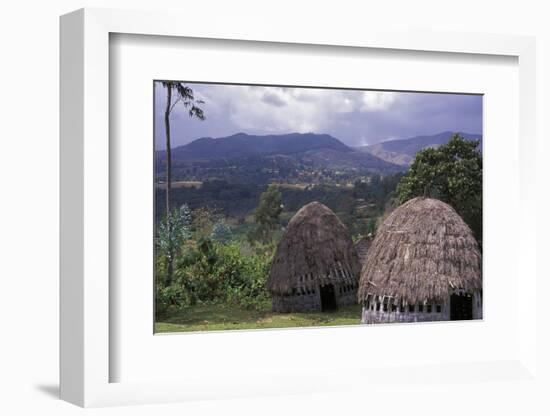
185	95
453	173
267	214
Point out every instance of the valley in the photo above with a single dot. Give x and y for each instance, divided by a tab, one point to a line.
229	174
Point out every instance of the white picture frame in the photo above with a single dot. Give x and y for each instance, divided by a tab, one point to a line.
85	352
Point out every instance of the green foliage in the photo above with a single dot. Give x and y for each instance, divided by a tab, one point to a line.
452	173
204	219
172	232
166	297
185	215
186	96
221	232
270	207
371	227
222	258
211	272
378	191
208	266
267	215
373	197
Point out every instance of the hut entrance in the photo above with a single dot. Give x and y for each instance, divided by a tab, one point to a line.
328	298
461	307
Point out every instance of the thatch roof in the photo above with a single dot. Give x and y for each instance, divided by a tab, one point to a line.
421	252
315	249
362	247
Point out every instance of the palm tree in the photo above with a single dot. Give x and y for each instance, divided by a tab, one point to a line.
185	95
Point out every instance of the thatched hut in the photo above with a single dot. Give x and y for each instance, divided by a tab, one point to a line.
423	265
315	267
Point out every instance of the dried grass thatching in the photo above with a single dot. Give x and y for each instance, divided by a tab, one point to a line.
315	249
421	252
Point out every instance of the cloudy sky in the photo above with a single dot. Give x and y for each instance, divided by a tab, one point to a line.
355	117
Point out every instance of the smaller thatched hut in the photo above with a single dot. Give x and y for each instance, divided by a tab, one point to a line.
315	267
423	265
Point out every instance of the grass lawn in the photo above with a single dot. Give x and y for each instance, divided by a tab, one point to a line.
224	317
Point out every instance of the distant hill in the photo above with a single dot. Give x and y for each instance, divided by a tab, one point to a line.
402	152
249	158
335	159
242	145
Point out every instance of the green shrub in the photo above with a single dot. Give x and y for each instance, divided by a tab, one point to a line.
212	272
221	232
166	297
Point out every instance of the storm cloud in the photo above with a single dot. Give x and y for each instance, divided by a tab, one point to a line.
356	117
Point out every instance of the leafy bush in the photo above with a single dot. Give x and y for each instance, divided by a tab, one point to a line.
174	230
166	297
209	271
267	216
221	232
172	233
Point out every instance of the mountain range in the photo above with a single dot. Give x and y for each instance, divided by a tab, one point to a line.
243	154
402	152
243	145
296	156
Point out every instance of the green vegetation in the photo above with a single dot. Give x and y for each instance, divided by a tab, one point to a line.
217	317
363	200
453	173
221	232
208	271
267	216
213	253
221	263
171	235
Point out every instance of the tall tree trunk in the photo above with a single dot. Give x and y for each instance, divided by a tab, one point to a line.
170	259
168	151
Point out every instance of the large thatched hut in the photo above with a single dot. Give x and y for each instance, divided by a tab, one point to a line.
315	267
423	265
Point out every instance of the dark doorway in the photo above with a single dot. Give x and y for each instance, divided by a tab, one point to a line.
328	298
461	307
